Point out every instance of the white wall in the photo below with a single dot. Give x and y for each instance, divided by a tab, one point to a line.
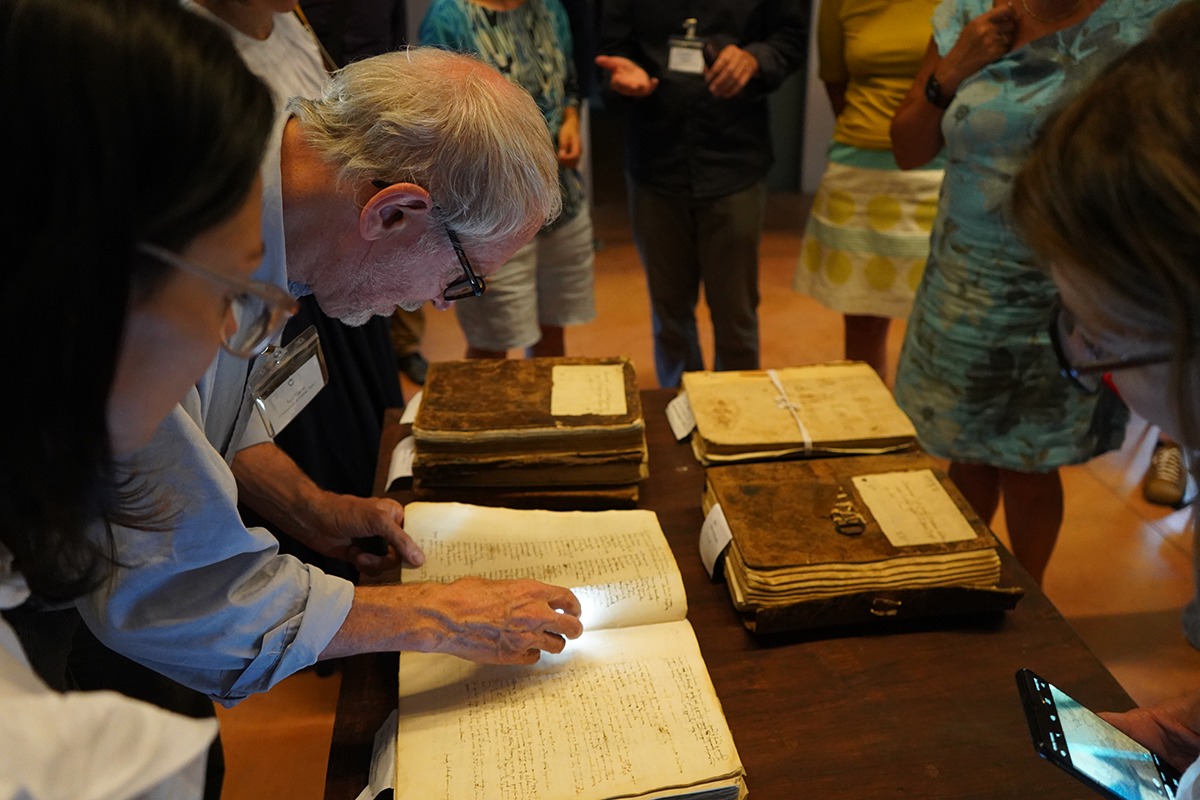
818	118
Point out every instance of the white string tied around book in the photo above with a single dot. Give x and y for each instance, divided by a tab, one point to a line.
785	402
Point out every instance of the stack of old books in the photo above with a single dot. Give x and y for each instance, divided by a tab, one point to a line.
825	409
542	432
849	540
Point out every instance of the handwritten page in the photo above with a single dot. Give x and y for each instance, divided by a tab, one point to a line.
587	389
625	712
618	563
913	508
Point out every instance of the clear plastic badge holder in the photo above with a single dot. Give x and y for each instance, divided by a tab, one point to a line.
287	380
686	53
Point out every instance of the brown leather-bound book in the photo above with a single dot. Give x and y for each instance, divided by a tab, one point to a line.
863	535
554	498
577	469
529	405
525	424
821	409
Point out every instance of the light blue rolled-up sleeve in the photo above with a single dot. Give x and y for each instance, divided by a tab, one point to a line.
205	600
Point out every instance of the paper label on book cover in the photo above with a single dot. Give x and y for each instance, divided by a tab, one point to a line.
913	508
715	536
409	415
579	389
679	417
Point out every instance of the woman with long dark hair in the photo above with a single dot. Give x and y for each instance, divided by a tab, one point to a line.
130	222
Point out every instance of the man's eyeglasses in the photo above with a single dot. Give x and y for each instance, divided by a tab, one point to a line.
260	310
1081	362
471	284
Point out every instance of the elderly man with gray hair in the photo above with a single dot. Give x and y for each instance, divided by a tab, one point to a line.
414	177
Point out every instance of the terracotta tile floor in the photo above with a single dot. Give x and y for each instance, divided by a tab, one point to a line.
1120	574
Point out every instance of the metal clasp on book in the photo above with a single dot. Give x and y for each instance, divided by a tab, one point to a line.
847	520
885	606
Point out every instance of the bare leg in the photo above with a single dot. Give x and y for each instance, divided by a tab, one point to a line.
980	485
1033	510
866	340
552	343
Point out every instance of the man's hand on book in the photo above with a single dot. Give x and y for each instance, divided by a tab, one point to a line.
506	621
344	524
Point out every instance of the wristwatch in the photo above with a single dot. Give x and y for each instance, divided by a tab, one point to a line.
933	93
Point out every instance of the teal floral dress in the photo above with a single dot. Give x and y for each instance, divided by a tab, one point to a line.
531	46
977	373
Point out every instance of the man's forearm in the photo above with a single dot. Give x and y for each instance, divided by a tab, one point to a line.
272	484
386	618
488	621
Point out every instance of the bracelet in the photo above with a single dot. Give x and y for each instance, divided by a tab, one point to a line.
933	93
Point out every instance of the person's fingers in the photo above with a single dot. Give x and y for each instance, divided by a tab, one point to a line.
371	564
552	644
564	600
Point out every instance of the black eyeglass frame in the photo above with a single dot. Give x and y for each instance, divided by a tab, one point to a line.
471	284
1078	374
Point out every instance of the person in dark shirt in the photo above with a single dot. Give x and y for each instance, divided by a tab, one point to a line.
696	75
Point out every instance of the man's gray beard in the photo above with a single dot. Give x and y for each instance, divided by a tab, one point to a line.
357	318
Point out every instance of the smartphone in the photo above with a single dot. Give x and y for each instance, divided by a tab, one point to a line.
1086	746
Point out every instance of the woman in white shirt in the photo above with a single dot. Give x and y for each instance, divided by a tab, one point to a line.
1111	199
129	213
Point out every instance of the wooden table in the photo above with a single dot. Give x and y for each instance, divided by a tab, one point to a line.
929	710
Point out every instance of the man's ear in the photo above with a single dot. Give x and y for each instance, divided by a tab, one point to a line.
401	209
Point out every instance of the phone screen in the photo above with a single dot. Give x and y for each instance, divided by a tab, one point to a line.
1079	741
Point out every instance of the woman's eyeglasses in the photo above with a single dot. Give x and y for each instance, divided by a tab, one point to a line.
260	310
1084	364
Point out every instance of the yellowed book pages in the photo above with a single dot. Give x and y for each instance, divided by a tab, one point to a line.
626	710
826	408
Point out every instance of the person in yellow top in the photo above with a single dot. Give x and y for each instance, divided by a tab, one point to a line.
867	236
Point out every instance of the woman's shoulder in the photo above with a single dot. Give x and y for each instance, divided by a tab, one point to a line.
444	22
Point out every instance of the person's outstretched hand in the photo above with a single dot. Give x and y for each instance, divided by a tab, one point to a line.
626	77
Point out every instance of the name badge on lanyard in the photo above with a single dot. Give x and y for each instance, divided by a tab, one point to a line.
287	380
686	53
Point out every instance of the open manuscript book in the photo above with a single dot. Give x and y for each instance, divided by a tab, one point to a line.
627	710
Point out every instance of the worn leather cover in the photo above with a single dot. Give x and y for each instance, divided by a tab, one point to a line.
572	498
599	469
882	608
503	406
788	559
779	511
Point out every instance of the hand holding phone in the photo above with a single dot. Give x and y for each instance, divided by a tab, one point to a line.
1080	742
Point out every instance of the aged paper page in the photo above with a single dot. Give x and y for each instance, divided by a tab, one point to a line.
618	563
913	508
620	712
591	389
